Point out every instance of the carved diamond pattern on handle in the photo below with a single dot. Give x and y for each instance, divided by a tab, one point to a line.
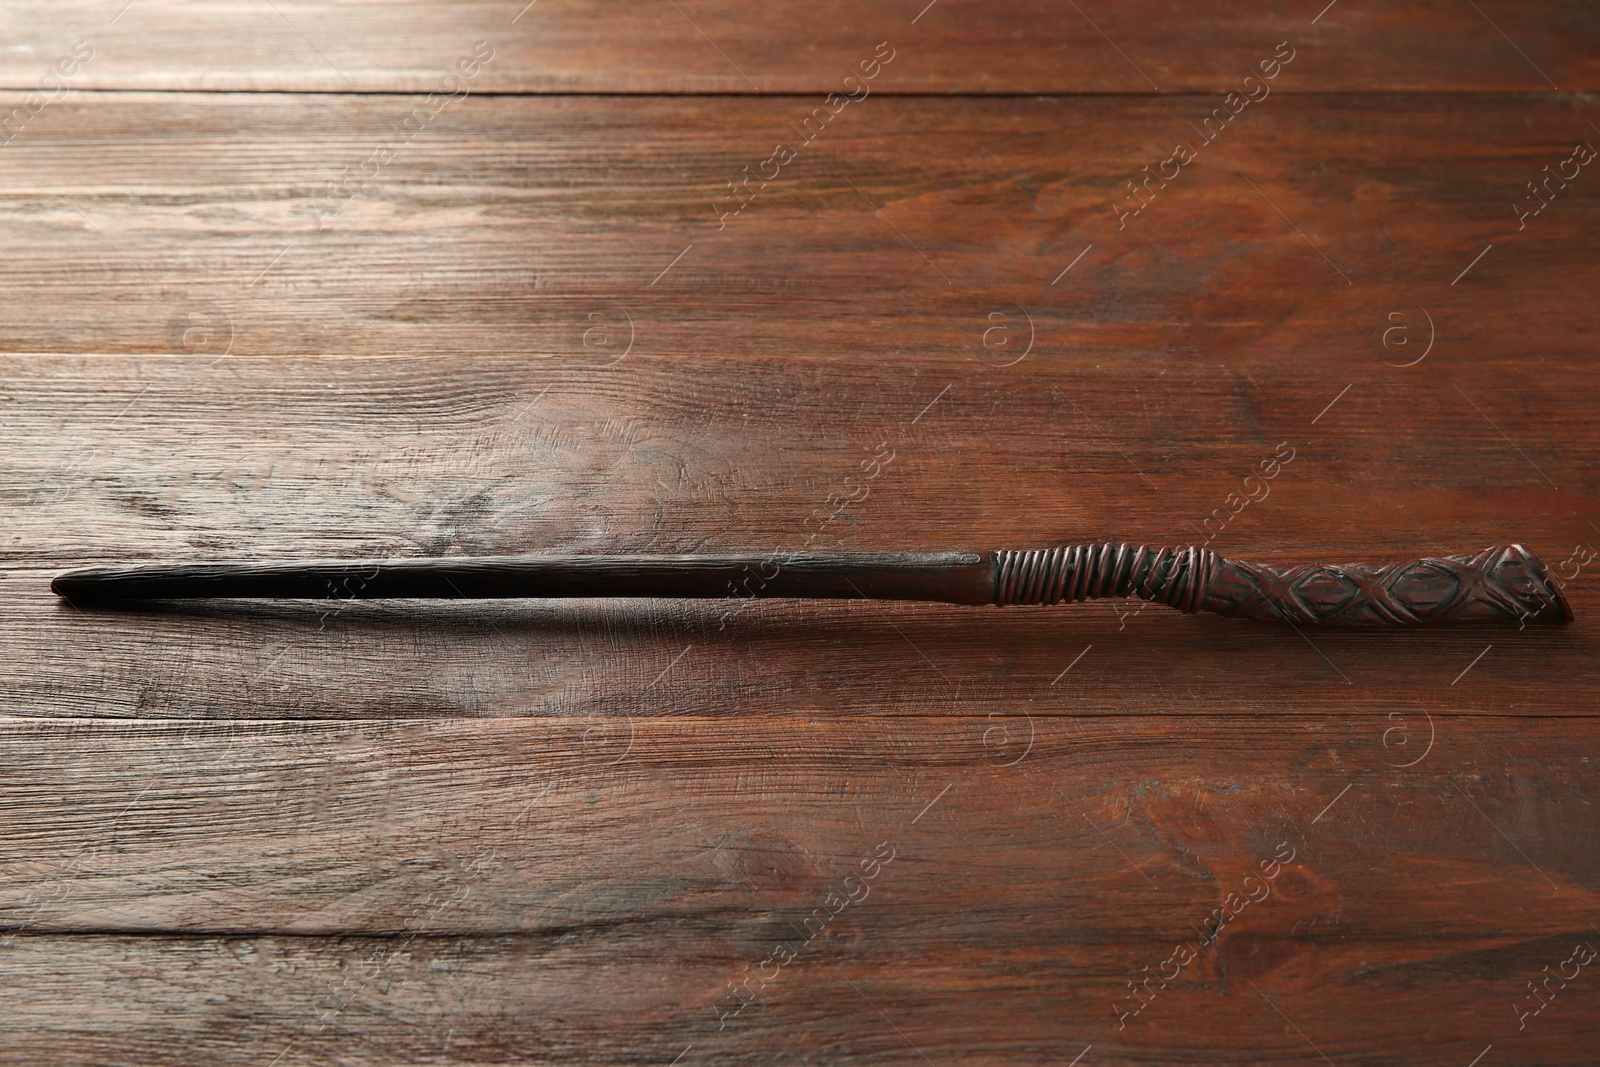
1503	583
1506	583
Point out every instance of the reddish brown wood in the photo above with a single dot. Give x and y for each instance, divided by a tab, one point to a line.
168	457
804	46
1206	316
600	889
571	831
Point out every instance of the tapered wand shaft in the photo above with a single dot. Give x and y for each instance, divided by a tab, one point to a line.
1506	583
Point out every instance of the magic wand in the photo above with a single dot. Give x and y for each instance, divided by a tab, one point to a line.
1505	584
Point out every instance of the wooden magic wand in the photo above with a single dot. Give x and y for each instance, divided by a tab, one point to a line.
1505	584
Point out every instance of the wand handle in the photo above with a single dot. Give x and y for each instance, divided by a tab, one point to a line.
1506	583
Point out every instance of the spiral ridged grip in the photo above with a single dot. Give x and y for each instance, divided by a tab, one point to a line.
1506	583
1175	577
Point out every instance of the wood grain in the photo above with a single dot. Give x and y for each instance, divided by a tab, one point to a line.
950	46
544	227
173	458
567	832
447	887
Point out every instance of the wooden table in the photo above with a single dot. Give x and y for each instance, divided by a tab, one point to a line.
343	279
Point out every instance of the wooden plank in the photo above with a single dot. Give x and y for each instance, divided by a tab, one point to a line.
447	888
593	882
949	46
571	831
647	999
540	226
173	457
1159	379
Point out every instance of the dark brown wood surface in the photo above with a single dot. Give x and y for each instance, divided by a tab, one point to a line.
461	891
570	832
